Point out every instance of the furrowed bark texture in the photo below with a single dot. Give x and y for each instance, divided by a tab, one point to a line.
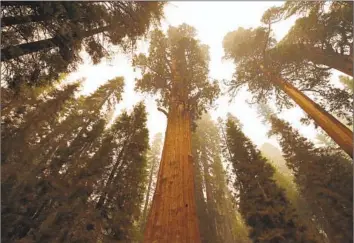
335	129
173	216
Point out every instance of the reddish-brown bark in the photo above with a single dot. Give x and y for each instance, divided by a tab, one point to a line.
173	216
335	129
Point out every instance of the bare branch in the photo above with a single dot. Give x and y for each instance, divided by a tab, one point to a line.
163	111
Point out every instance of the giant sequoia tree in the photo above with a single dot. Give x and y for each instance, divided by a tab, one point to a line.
262	203
265	76
42	39
176	68
324	178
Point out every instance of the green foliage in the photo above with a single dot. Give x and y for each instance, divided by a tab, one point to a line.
40	40
324	179
261	202
176	68
285	179
63	160
318	40
348	83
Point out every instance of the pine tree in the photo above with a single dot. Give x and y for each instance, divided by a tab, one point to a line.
57	153
124	191
261	202
324	179
266	76
285	179
18	142
176	69
43	39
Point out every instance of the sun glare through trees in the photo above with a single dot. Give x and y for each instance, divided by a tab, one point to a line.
177	122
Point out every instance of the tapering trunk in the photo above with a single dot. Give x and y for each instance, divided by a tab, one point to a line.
173	216
147	197
335	129
12	52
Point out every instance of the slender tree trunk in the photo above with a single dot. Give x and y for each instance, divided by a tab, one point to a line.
335	129
116	166
173	216
200	203
12	52
143	222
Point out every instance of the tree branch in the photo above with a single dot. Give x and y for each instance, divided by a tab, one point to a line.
163	111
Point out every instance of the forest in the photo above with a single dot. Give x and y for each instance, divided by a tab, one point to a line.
78	164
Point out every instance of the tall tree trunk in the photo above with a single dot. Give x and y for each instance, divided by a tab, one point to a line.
143	221
173	216
335	129
12	52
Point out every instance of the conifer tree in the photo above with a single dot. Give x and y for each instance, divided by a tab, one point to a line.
219	221
266	76
18	142
176	68
322	34
57	153
40	40
261	202
324	178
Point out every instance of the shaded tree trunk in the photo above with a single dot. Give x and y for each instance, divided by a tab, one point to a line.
335	129
109	182
12	52
173	216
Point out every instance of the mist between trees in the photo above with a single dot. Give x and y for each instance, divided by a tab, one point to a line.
72	171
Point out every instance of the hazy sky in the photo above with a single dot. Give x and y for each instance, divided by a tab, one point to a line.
212	21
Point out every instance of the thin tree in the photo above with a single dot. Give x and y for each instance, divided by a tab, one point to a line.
153	160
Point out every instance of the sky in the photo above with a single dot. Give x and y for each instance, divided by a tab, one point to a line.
212	20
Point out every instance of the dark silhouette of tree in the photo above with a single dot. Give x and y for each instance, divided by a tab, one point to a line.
324	178
43	39
261	202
